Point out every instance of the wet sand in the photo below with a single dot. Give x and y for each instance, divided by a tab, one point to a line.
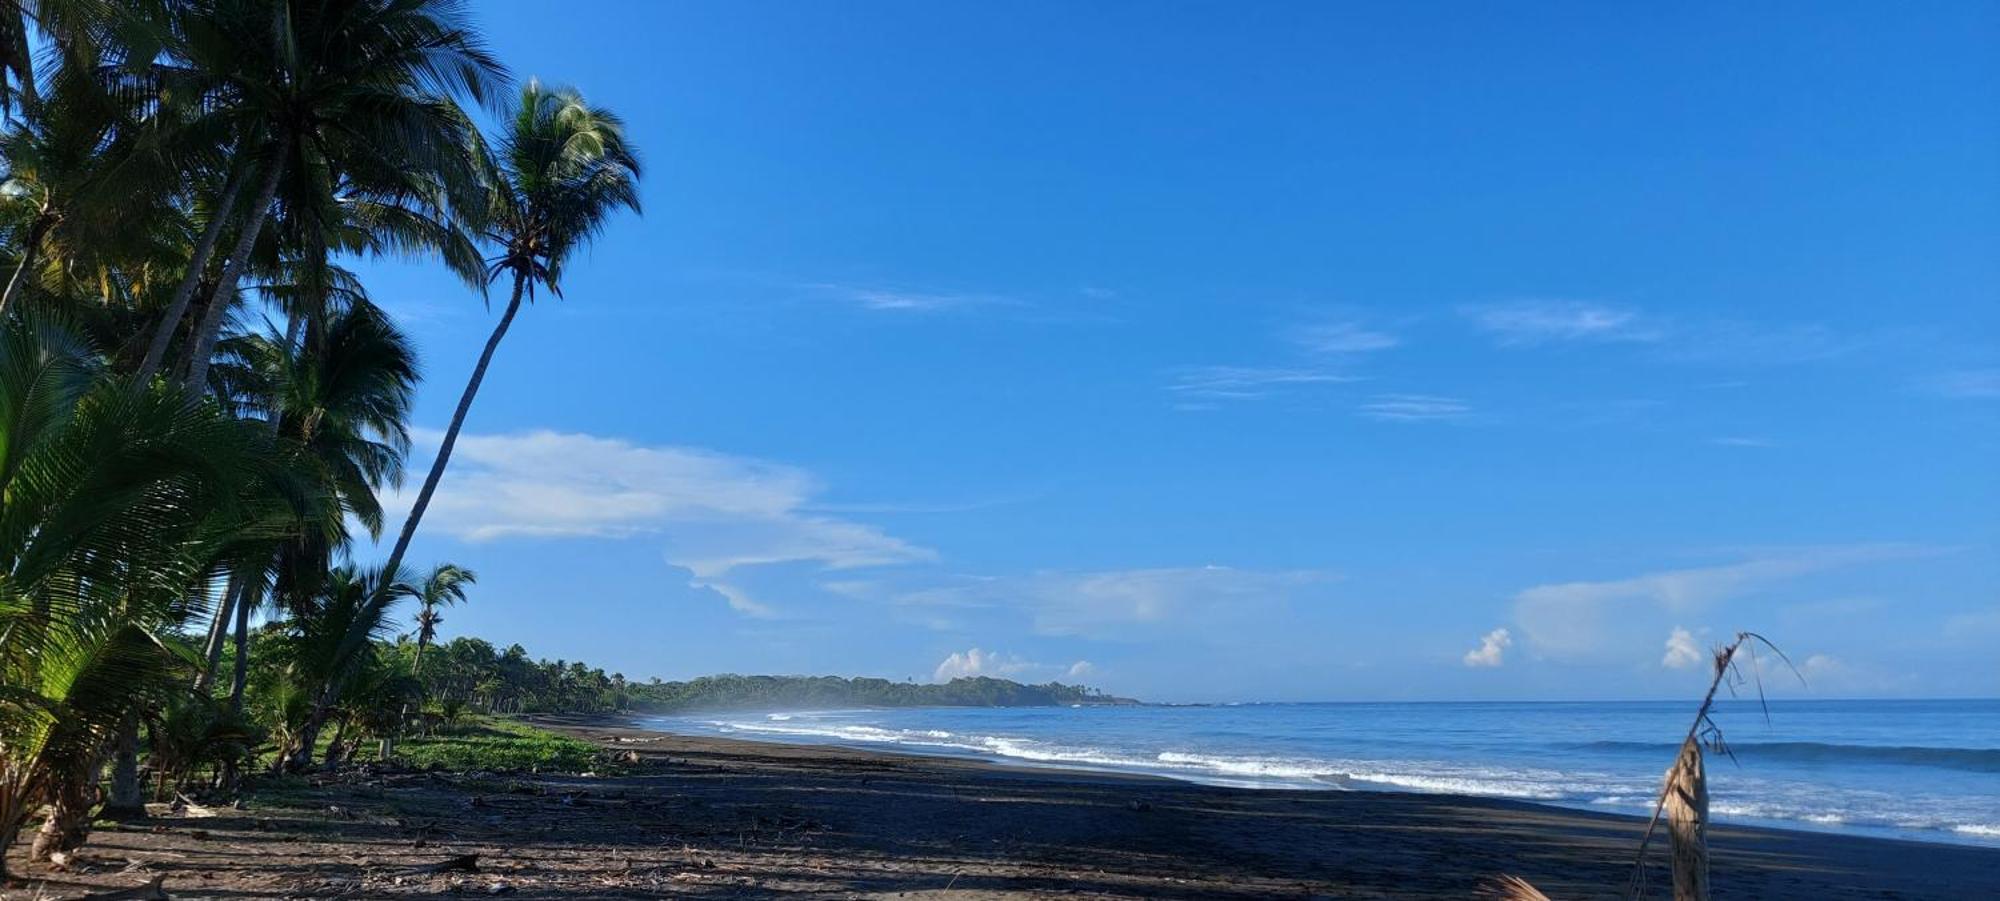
711	817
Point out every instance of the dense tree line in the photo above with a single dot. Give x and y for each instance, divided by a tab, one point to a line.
200	404
825	692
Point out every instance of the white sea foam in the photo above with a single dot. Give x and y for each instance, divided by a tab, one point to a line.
1591	774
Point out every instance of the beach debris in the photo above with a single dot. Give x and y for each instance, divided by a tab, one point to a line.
1137	806
499	888
463	863
1687	822
151	891
1683	800
1512	888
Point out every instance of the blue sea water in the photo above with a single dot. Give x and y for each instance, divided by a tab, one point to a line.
1926	770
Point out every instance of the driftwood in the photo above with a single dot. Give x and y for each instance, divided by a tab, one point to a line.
151	891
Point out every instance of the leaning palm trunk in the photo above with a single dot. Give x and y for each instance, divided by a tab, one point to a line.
32	242
451	437
210	327
241	674
218	633
301	756
204	248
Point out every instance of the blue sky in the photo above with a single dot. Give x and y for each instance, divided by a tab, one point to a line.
1304	351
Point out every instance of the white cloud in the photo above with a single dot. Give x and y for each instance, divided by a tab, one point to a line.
1414	408
1682	651
1112	604
1968	383
895	300
1107	602
1246	382
1492	649
976	662
1529	322
1566	619
716	512
1342	337
1741	441
979	662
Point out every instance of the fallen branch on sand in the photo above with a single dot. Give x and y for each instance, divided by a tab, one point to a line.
151	891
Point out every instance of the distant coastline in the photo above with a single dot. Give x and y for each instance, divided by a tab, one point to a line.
737	692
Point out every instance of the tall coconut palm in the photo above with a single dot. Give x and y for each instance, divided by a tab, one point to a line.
341	398
562	168
302	85
444	586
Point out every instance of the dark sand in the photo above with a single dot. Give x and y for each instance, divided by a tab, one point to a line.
707	817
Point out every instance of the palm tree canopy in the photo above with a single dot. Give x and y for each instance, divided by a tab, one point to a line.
563	167
445	585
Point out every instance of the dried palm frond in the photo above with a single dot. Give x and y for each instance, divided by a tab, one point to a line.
1684	796
1511	888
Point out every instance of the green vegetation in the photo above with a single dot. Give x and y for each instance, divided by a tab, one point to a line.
199	403
818	692
487	743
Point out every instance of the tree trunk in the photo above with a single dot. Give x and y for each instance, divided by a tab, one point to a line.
332	691
242	667
128	794
218	631
210	327
68	822
450	439
31	243
156	352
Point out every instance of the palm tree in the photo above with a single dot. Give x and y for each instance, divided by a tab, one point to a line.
114	503
562	169
305	87
329	641
342	399
444	586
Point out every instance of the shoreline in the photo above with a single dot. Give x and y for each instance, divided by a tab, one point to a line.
1509	835
1136	769
661	814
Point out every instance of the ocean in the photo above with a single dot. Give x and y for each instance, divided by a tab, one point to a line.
1927	770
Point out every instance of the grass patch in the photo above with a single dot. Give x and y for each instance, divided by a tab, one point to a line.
487	743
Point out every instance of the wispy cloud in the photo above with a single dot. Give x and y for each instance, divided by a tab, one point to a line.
1966	383
715	512
1492	649
897	300
1567	619
1741	441
1110	604
1341	337
1528	322
1246	382
1414	408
